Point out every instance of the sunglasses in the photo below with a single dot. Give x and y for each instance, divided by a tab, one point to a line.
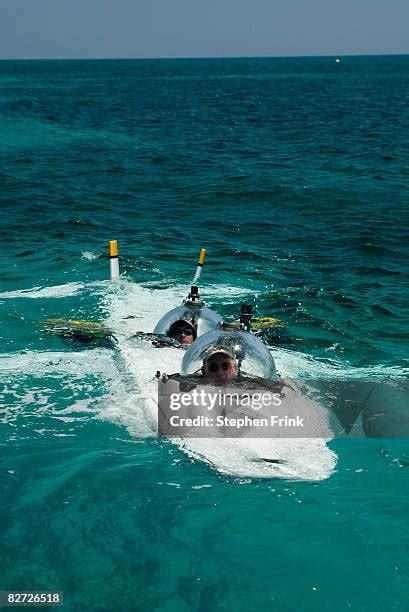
186	331
214	367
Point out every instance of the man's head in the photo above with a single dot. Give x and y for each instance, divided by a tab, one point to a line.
182	331
219	366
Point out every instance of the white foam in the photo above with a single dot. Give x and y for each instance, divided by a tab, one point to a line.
89	255
129	389
40	363
56	291
293	364
34	380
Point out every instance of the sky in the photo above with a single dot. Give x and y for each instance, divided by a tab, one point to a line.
201	28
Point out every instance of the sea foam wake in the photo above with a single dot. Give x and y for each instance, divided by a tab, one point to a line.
118	383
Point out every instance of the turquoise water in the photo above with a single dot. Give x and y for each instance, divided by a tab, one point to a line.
293	174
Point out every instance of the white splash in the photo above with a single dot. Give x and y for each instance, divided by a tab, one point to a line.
55	291
89	255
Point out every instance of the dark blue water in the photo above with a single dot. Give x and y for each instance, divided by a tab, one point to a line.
293	174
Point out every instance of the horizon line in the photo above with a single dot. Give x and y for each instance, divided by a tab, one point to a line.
199	57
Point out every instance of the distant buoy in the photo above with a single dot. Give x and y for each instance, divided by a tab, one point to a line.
338	61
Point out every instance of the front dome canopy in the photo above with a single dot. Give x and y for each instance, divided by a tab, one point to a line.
251	355
202	320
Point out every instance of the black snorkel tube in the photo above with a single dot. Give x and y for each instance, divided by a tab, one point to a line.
243	324
245	318
193	298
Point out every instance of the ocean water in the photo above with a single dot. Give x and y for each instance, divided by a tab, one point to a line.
293	173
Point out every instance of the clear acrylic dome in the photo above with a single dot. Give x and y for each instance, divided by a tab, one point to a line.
251	355
203	319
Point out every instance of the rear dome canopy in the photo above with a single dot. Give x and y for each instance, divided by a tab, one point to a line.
203	319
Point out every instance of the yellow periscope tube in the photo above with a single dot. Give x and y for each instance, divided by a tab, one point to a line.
200	265
113	259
